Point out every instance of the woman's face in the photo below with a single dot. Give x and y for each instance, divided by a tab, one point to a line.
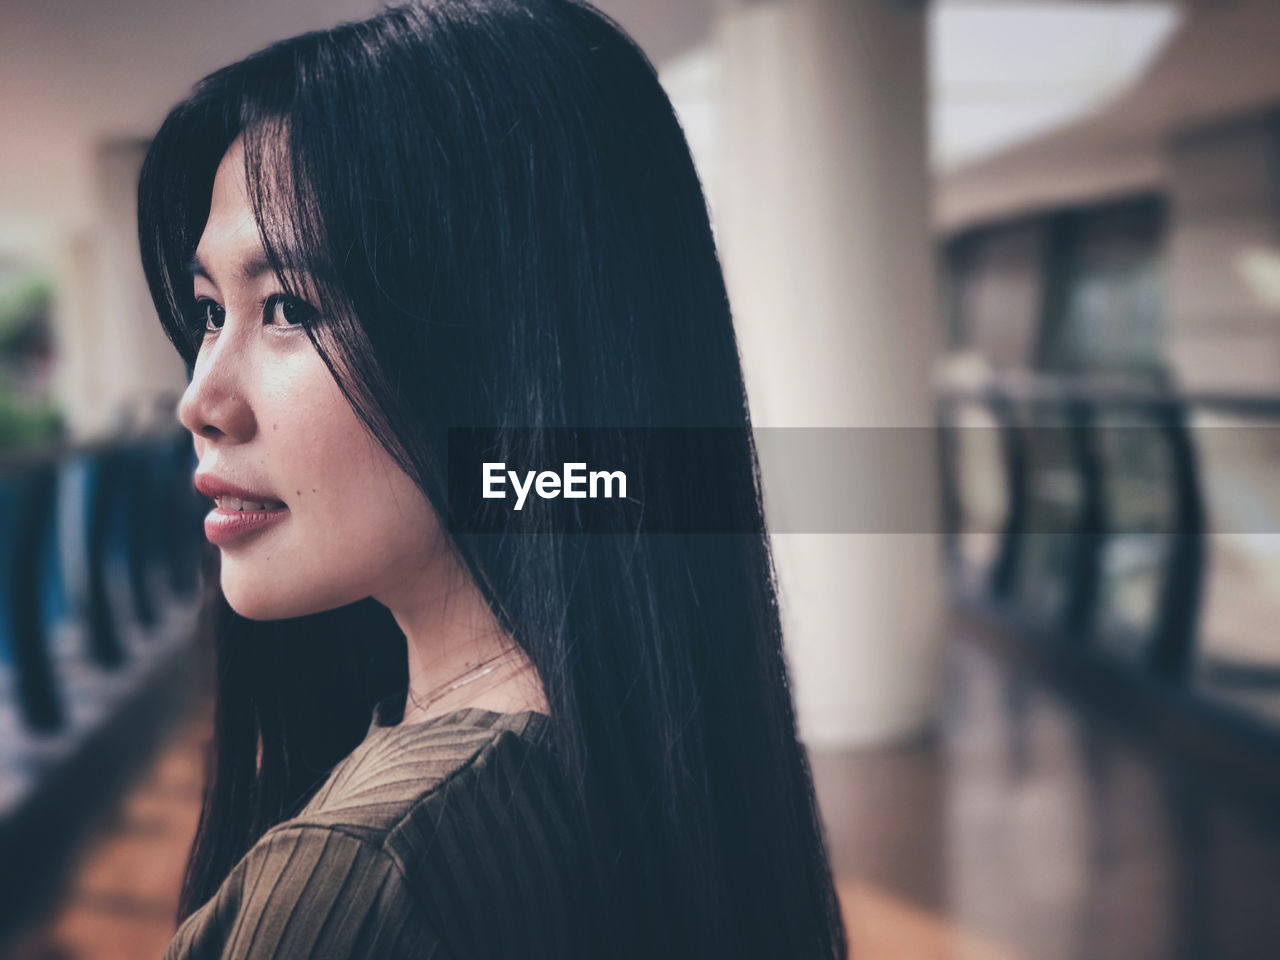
268	417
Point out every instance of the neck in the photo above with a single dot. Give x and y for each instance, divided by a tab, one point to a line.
450	630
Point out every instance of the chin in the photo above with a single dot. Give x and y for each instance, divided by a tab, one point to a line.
257	597
253	603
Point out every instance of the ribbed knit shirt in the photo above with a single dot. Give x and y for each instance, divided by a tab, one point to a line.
449	838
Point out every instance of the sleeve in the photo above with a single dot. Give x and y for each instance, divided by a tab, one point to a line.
307	892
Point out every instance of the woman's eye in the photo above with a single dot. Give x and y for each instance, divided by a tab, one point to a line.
210	314
289	309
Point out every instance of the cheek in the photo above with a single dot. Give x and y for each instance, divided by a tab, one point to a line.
317	446
358	512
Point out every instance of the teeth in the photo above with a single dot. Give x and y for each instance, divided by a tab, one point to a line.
232	503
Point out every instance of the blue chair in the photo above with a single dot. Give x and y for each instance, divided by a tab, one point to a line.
27	537
105	645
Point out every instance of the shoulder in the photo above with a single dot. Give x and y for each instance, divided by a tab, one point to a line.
385	776
421	839
309	891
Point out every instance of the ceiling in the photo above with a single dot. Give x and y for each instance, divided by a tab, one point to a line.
77	72
1221	63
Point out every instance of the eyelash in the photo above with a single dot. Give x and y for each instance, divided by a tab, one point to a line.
267	305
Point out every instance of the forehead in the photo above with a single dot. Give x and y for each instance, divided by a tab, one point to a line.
230	213
230	241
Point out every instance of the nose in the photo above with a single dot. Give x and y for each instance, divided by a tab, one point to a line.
214	405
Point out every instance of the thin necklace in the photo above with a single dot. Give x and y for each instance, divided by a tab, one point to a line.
475	673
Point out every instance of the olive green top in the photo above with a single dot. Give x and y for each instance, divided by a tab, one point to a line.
446	839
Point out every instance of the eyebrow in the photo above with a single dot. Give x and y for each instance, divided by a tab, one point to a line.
248	271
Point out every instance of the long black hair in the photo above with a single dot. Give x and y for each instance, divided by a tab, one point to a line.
496	207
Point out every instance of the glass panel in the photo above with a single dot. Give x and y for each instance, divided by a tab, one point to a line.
1239	649
982	490
1053	506
1138	488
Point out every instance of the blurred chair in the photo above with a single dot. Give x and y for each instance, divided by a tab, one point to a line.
30	504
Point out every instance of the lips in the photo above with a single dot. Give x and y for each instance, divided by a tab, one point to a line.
224	527
215	487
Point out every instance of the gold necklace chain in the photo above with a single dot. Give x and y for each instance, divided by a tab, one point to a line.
475	673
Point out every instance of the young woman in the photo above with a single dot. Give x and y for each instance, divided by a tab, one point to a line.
436	742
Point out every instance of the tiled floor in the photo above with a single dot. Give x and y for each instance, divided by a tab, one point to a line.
1024	831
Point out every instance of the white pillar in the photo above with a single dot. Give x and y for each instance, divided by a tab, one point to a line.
135	361
113	356
822	203
77	373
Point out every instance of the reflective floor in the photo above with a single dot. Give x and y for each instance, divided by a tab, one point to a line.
1033	829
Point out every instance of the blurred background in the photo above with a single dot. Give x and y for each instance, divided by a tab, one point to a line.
1047	233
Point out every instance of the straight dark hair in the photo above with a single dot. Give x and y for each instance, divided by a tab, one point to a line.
495	208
